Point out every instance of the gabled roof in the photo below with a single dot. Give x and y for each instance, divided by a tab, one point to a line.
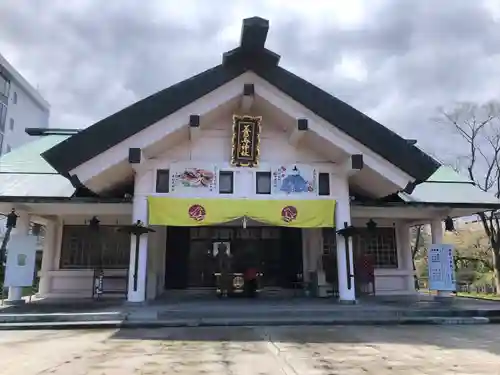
24	173
250	55
447	187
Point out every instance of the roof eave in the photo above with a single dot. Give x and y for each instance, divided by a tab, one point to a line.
467	205
79	200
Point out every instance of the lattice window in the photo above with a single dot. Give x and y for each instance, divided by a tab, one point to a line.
380	244
82	248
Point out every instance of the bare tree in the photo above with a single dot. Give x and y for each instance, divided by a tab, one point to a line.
479	126
417	233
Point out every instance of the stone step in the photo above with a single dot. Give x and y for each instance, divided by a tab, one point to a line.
283	321
233	322
138	320
62	317
338	314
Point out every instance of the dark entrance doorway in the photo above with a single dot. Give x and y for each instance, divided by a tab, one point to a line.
190	259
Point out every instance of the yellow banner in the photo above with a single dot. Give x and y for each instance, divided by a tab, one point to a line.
200	211
293	213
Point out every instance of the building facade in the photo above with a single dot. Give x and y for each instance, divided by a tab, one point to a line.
294	182
21	107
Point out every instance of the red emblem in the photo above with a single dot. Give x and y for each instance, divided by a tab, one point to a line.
289	214
197	212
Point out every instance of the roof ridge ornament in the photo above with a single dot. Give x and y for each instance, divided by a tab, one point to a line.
253	34
251	50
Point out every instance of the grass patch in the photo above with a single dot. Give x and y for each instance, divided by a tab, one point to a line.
490	297
485	296
28	291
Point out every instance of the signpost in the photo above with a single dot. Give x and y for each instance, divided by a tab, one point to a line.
441	268
20	265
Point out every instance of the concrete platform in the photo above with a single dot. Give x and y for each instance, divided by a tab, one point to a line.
244	312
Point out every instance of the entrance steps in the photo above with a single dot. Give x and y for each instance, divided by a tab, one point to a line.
302	311
246	312
210	294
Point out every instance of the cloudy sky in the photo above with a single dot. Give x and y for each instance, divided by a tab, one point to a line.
397	61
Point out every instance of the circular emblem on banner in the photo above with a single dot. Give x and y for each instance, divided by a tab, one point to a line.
238	282
197	212
289	214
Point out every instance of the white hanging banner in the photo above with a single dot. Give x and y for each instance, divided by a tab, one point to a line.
20	265
441	268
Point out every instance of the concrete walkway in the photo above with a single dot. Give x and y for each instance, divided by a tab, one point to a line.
424	350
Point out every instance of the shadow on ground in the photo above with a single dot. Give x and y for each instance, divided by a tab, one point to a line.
469	337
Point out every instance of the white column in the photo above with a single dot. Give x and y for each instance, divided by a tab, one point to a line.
437	234
48	258
143	182
345	269
22	228
404	247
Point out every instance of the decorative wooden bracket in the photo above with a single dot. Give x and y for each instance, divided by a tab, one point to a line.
194	127
248	97
298	133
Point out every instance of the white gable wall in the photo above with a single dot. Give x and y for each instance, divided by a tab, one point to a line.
110	162
213	146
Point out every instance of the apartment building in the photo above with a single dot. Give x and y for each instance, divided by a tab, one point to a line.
21	107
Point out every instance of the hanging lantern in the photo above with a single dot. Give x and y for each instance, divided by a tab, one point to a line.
12	219
371	225
348	231
449	225
36	229
137	229
94	224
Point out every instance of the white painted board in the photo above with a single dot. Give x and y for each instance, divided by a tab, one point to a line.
441	268
21	257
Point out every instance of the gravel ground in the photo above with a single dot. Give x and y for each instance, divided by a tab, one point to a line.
239	350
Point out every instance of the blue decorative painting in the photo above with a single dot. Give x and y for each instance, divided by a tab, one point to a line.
294	179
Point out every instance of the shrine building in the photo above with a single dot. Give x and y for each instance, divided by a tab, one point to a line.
313	194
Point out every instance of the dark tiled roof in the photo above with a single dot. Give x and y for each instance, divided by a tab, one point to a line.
354	123
250	56
114	129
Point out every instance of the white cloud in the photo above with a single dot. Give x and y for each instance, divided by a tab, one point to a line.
394	60
351	67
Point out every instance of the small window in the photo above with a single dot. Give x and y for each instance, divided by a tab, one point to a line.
14	99
226	182
263	182
3	117
324	184
162	181
11	124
